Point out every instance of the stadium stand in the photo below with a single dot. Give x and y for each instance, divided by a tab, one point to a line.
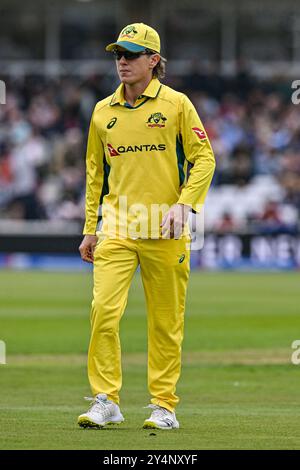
253	126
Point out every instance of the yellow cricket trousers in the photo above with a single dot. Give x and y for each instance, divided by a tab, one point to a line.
165	270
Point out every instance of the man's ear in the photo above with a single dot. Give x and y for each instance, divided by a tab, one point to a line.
154	59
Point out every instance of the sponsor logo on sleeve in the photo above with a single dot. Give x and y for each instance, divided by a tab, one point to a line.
200	133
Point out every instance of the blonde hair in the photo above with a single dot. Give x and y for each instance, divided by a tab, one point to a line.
159	70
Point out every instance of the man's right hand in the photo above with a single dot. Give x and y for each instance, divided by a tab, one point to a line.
87	248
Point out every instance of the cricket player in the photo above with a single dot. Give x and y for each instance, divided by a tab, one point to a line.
148	164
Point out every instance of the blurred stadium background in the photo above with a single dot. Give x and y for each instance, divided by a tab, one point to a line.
236	61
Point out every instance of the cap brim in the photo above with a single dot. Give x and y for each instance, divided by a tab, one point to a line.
129	46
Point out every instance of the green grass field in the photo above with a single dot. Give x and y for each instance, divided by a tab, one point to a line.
238	389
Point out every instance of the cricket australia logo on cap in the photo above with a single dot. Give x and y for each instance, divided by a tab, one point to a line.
156	120
128	32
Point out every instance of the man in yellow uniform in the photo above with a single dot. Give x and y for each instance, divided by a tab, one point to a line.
149	162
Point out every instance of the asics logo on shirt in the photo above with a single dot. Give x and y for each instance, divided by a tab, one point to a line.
181	259
111	123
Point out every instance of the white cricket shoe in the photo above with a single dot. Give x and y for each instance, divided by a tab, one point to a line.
101	412
161	418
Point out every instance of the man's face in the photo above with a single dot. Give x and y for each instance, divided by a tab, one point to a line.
131	71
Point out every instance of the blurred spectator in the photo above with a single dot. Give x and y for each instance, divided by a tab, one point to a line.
253	126
226	224
269	220
275	218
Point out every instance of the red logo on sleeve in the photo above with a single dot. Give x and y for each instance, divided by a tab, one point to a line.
200	133
112	151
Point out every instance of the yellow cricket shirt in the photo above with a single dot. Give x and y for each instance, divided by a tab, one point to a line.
143	159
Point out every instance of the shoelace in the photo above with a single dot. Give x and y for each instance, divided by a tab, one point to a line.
99	405
158	411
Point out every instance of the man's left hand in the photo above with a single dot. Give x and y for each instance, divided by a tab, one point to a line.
174	221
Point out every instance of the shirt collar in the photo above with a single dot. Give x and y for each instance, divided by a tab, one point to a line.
151	91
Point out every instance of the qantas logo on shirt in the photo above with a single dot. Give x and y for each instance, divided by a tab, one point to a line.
200	133
112	151
134	148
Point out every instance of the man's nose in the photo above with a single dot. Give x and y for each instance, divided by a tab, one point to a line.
123	60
